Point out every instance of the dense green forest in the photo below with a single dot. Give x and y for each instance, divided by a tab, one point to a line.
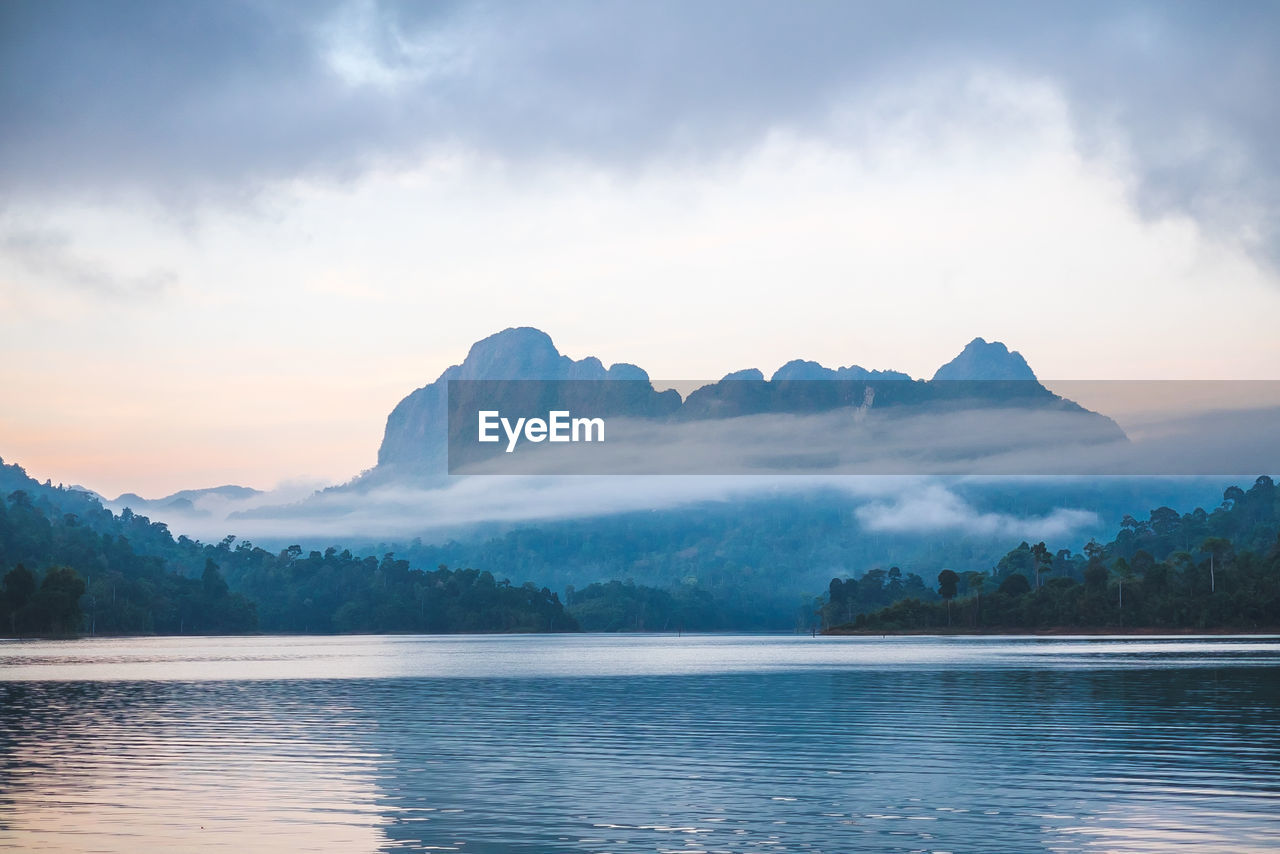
93	572
722	573
334	591
765	557
624	606
67	578
1199	570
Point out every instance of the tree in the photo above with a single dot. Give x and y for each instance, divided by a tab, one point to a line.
1172	557
871	586
55	607
1014	585
211	579
841	596
1043	560
1123	574
1164	521
1217	547
894	583
835	590
948	584
19	584
1096	575
974	582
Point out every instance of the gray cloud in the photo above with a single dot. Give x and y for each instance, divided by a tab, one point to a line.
211	99
893	504
51	256
898	504
907	441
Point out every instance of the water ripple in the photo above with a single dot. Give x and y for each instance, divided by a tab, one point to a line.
650	744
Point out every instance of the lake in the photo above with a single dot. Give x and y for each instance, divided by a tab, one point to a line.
591	743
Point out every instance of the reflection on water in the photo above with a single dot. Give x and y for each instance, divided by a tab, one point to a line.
591	744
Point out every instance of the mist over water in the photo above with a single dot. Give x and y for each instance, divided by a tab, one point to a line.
594	743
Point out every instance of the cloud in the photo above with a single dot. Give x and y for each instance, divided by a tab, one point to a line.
917	474
217	100
933	508
944	438
464	505
50	255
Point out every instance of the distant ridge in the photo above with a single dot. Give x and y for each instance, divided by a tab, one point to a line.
800	369
415	439
183	501
415	436
983	360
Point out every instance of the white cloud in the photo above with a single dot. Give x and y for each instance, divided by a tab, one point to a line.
933	509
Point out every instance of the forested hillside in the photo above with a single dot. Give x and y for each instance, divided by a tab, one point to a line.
1216	569
60	576
766	558
68	565
624	606
91	572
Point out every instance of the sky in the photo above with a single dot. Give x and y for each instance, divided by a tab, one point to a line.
234	235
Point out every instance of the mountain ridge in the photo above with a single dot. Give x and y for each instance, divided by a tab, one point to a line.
985	360
415	436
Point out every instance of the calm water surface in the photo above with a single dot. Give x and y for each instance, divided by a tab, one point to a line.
631	744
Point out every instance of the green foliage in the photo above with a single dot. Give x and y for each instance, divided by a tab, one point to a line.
1014	585
624	606
848	597
55	607
1245	519
761	560
180	586
16	589
341	592
96	583
1096	575
738	566
50	608
948	584
1218	570
761	556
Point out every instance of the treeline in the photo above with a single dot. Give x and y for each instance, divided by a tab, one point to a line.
66	578
48	606
1200	570
624	606
718	571
765	558
83	573
336	591
877	588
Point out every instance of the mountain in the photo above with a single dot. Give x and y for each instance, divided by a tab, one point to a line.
800	369
184	501
983	360
416	440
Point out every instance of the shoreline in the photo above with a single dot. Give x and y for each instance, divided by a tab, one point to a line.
838	631
1055	631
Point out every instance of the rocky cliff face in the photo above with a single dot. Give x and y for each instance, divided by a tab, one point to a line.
415	437
800	369
415	441
982	360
